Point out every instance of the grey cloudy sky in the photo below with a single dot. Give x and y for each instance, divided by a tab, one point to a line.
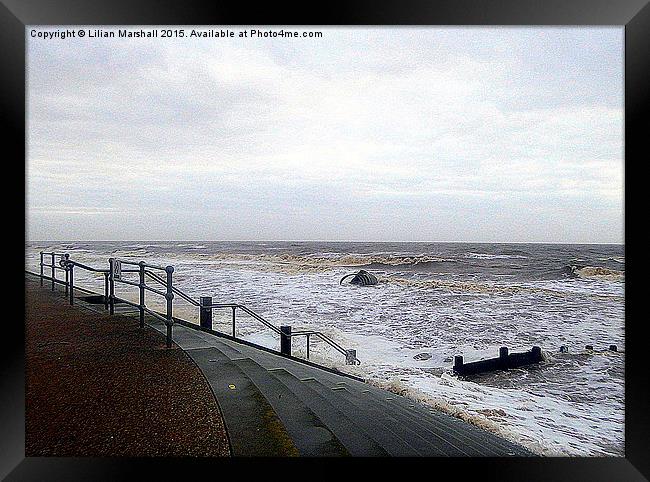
403	134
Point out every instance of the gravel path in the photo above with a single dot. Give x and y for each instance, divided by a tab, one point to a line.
100	386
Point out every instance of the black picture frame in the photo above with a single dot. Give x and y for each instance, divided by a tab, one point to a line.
634	15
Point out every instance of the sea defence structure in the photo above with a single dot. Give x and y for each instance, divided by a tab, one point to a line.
504	361
276	404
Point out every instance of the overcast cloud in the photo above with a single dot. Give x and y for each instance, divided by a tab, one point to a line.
436	134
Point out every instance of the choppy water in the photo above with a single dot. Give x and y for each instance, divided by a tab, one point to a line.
434	298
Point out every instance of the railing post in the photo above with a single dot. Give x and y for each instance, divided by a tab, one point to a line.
285	340
350	357
41	268
205	312
111	286
72	284
170	297
142	294
53	272
234	332
106	291
67	277
307	346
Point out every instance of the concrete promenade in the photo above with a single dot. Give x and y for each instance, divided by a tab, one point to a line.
97	385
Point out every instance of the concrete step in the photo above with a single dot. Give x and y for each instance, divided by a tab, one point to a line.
371	423
232	351
124	309
441	430
357	441
429	422
272	360
475	441
458	432
310	435
438	435
349	411
254	429
418	439
422	429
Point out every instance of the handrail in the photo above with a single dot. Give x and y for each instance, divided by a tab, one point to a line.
86	267
155	277
68	266
53	267
260	319
140	263
322	336
174	289
306	333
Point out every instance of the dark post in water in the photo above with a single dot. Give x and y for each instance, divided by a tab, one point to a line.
503	355
505	361
458	362
350	357
285	340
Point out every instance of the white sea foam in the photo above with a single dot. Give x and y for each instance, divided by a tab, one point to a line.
493	256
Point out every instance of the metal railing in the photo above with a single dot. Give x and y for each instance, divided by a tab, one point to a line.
54	266
285	332
113	275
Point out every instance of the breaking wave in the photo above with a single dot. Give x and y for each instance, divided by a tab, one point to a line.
325	262
494	256
486	288
595	272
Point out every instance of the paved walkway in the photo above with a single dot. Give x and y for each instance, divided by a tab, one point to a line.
100	386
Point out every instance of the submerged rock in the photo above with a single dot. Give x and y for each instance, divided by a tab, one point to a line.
362	278
422	356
